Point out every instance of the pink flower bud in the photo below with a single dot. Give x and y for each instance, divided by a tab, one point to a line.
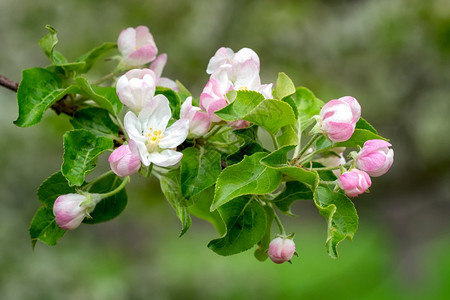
354	182
338	118
123	162
375	158
281	250
137	46
71	209
213	97
199	122
136	88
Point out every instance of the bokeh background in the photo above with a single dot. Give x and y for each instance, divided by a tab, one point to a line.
392	55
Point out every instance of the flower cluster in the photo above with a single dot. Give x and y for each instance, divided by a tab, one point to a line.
337	121
210	153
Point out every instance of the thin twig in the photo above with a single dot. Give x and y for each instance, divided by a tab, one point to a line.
8	83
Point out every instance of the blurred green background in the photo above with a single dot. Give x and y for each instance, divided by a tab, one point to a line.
392	55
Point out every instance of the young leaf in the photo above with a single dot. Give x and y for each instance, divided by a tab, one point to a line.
174	100
88	59
363	124
271	115
308	105
183	91
108	101
44	228
294	191
246	177
199	170
110	207
288	136
245	101
81	147
95	120
284	86
277	160
200	209
48	43
340	214
170	186
52	188
245	220
38	91
359	137
247	149
263	244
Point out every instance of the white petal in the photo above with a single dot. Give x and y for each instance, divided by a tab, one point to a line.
158	64
168	83
139	149
127	41
165	158
133	126
156	113
186	108
175	134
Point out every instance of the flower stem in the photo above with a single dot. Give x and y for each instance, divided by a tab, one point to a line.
213	131
117	189
104	78
87	186
304	149
277	220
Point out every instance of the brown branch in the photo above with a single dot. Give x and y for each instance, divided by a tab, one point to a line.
8	83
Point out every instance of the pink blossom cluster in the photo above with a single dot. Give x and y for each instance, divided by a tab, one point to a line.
337	121
231	71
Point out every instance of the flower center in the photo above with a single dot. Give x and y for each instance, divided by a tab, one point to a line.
153	139
243	88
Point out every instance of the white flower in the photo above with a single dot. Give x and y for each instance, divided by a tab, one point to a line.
149	136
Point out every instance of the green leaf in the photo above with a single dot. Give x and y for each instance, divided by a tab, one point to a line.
96	120
263	244
284	86
108	208
294	191
277	160
288	136
245	220
225	141
247	149
48	43
199	170
52	188
38	91
103	96
171	188
174	100
340	214
44	228
200	209
249	134
308	106
81	147
359	137
271	115
183	91
245	102
363	124
246	177
88	59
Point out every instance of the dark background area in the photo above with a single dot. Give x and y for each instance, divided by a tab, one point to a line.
392	55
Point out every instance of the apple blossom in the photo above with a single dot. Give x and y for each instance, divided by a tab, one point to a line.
354	182
136	88
71	209
199	122
231	71
375	158
136	45
123	162
281	250
149	136
338	118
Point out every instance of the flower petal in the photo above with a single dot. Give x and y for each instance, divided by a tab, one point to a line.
165	158
133	126
175	134
156	113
